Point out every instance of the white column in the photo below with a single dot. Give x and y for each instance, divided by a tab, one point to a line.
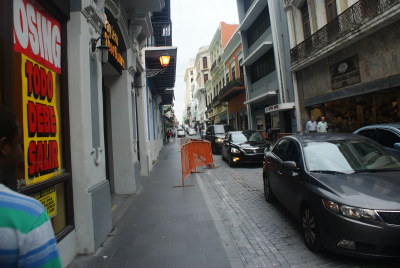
87	175
122	134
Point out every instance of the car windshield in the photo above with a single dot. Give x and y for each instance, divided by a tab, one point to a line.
247	136
348	156
220	129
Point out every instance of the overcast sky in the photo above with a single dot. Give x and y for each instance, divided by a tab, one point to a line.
194	23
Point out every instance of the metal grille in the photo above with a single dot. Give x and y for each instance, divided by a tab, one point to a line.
349	20
390	217
253	151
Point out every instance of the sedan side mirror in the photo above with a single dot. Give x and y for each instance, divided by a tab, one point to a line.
290	165
225	140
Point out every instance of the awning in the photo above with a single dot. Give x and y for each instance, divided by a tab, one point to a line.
165	79
281	107
261	97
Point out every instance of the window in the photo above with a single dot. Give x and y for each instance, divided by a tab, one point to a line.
260	25
166	30
292	153
233	73
227	77
263	66
279	149
247	4
306	20
330	6
387	138
205	76
369	133
205	65
241	74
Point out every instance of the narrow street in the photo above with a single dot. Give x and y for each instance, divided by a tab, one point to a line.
265	235
221	221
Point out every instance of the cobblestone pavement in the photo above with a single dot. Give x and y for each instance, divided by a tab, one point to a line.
266	235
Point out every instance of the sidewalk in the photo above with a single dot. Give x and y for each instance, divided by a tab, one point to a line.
166	226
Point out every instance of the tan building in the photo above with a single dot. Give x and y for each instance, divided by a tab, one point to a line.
202	65
217	112
190	82
346	60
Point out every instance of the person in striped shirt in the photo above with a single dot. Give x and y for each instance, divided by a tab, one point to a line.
26	234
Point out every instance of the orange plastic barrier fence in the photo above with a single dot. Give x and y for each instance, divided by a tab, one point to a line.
194	154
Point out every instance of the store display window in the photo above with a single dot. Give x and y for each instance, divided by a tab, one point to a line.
349	114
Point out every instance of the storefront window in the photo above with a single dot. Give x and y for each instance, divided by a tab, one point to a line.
352	113
38	95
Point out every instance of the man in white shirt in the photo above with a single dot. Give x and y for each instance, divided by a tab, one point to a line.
311	126
322	126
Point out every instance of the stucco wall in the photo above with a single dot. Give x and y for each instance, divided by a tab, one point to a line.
378	55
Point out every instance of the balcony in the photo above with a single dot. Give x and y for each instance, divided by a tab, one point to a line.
215	101
232	89
336	31
209	108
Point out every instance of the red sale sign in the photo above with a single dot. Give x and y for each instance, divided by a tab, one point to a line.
37	35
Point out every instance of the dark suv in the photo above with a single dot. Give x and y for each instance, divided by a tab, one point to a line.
216	135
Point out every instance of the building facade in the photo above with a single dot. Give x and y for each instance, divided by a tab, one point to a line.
233	92
270	97
190	84
202	65
77	74
345	60
218	113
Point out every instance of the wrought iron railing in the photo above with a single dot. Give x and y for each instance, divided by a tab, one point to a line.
231	84
349	20
215	100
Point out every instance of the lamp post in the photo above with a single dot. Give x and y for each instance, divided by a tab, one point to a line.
102	48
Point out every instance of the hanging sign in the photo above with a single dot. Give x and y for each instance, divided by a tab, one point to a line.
112	41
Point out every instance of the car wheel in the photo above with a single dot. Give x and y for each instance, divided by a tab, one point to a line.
268	194
310	231
230	161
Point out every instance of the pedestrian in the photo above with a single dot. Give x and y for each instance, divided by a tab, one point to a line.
168	135
26	234
322	125
311	126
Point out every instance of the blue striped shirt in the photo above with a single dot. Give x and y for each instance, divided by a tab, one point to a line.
26	234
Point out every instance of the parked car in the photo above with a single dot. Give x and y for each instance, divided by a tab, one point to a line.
243	147
192	132
387	135
344	189
216	135
181	133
